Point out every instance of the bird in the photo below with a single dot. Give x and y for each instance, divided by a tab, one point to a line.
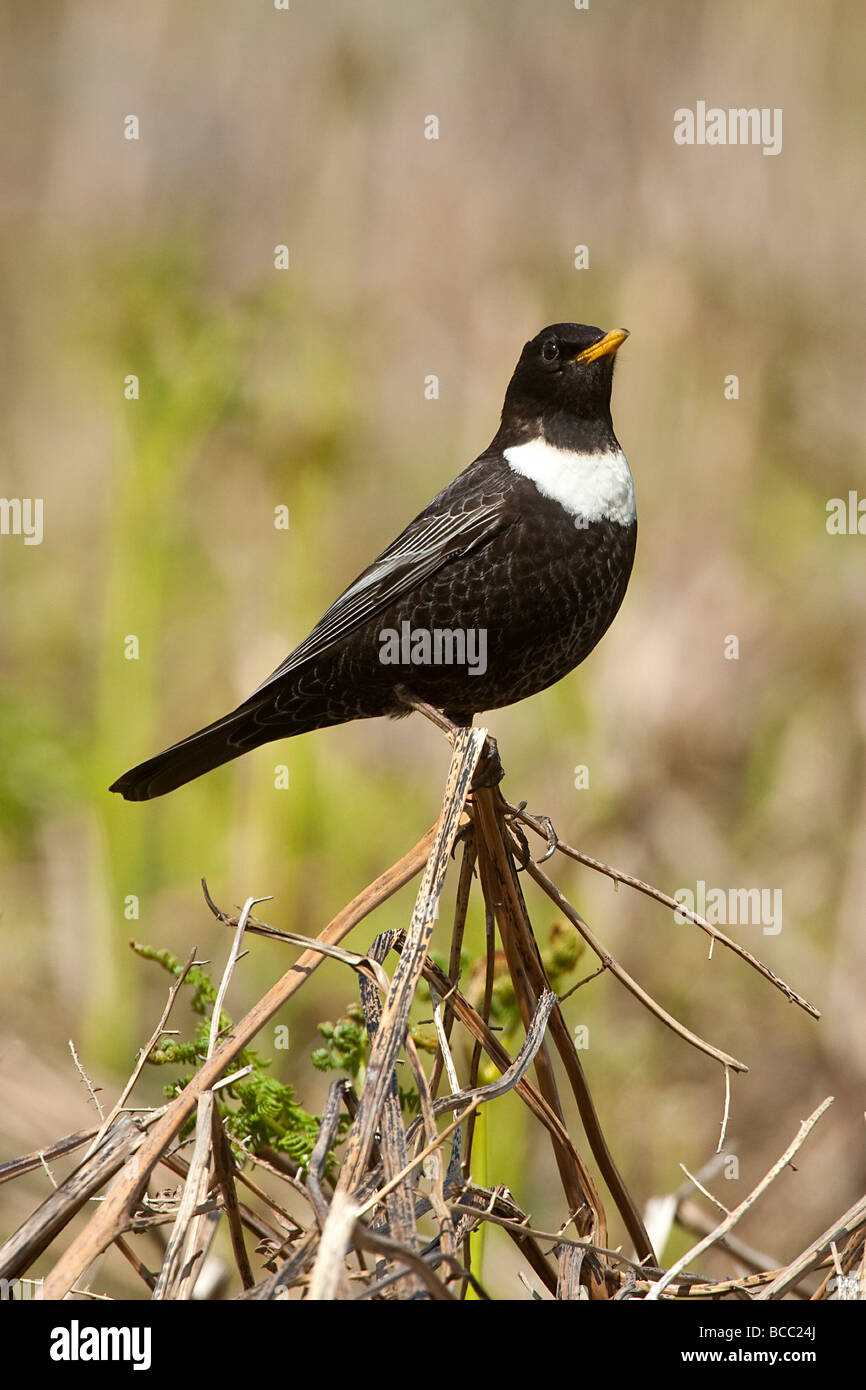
500	587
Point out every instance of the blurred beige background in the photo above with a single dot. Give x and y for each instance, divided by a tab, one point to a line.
411	257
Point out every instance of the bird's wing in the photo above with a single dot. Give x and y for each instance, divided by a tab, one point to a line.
429	542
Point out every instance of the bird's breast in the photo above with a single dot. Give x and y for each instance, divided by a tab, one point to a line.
594	486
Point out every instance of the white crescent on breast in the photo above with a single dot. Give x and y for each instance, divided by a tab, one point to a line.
594	486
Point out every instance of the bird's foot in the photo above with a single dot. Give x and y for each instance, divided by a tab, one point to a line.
537	823
519	847
489	772
552	839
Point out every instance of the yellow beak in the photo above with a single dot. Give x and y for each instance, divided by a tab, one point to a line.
605	347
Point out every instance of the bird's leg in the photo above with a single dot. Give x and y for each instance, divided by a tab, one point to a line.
490	771
436	716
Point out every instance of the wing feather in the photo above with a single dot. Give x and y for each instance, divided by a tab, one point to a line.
432	540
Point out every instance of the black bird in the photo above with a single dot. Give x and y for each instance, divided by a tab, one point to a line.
497	589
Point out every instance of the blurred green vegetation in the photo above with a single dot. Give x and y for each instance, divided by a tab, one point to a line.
258	1110
305	389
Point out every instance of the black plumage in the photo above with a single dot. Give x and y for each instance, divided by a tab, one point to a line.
491	554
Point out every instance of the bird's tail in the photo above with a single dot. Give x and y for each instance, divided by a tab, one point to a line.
218	743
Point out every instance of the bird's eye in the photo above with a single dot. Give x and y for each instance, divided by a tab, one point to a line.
550	350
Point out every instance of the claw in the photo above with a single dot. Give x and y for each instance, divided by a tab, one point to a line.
552	840
490	771
524	855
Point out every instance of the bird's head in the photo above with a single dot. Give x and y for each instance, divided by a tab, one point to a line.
562	382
